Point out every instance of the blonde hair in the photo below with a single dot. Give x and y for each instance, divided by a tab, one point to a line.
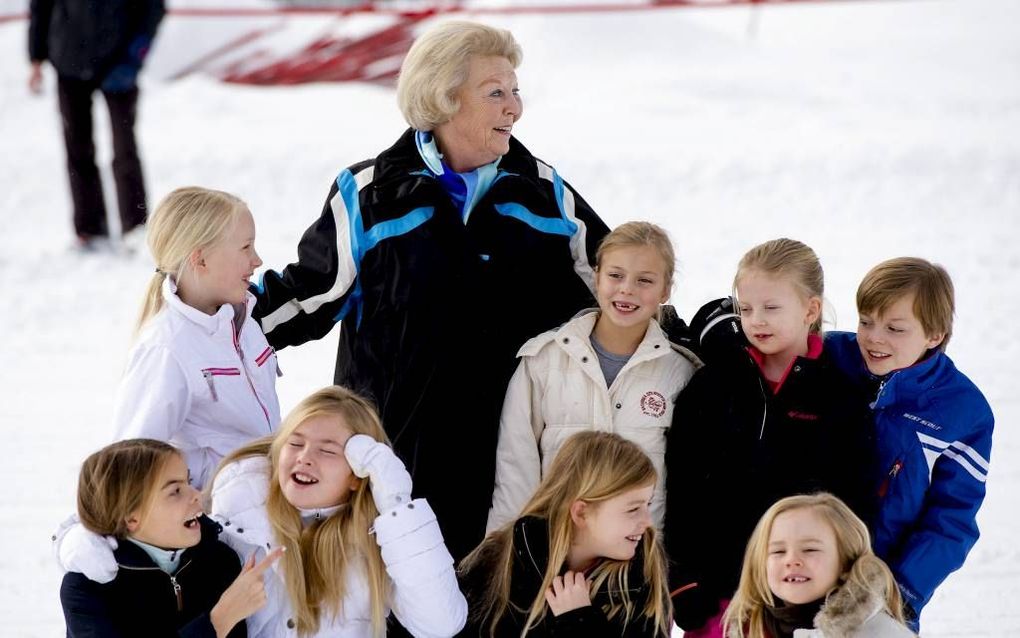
591	467
437	66
118	481
317	556
934	296
636	235
787	258
188	219
744	618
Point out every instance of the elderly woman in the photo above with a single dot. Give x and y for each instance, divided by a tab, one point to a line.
440	257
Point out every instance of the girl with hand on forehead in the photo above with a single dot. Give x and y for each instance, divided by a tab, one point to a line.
329	489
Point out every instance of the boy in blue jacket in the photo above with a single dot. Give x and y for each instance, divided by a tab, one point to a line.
933	427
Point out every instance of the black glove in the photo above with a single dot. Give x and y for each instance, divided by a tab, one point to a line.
676	328
716	329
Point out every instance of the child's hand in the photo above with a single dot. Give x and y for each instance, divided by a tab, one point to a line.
391	484
245	596
567	593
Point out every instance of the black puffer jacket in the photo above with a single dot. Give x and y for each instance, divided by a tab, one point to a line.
735	448
141	600
434	308
531	555
85	39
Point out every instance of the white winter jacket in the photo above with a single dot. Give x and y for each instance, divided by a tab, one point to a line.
424	594
206	384
559	390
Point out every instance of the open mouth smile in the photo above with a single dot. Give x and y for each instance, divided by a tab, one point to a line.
192	523
303	479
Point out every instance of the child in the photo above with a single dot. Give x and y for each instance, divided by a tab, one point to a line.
202	375
582	559
610	369
756	424
933	426
356	548
809	572
175	576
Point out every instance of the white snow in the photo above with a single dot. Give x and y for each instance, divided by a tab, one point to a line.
866	129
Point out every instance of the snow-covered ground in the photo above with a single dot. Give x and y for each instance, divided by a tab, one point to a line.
866	129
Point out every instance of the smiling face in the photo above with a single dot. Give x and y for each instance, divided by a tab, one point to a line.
171	521
313	471
629	285
803	560
490	104
611	528
224	270
893	339
775	315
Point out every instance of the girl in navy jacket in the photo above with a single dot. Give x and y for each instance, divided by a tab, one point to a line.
175	578
758	423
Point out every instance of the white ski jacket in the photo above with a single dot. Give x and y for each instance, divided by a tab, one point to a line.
206	384
559	390
424	594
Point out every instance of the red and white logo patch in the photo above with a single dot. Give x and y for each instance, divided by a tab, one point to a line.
653	404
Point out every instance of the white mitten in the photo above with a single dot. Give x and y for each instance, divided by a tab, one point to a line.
389	480
79	550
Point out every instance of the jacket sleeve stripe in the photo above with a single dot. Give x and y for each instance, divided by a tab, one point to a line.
974	455
968	454
539	223
347	221
578	240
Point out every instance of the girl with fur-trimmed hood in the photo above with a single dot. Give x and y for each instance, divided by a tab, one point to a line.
809	572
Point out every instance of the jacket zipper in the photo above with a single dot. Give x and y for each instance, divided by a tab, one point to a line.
173	580
893	471
240	353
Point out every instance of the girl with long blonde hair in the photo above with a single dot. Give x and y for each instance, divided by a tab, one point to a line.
582	559
329	489
809	572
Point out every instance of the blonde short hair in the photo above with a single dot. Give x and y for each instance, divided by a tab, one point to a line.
934	297
437	66
787	257
637	235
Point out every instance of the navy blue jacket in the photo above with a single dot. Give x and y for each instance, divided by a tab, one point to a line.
735	448
142	601
934	438
433	307
85	40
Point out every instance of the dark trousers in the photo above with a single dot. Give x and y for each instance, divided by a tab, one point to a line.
86	189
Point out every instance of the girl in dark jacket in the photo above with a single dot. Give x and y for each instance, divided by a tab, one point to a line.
582	559
757	423
175	578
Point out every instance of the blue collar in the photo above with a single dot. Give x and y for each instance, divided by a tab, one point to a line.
166	559
465	189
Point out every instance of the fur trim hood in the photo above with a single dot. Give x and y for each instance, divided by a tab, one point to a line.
857	611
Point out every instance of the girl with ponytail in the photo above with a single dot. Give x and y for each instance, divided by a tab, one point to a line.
201	375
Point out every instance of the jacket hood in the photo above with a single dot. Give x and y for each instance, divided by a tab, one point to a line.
849	607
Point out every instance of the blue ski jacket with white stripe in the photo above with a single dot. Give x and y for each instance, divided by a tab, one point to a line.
934	438
435	294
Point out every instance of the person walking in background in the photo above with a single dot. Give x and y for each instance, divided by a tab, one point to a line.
96	46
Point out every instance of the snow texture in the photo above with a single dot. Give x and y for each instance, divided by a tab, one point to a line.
866	129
